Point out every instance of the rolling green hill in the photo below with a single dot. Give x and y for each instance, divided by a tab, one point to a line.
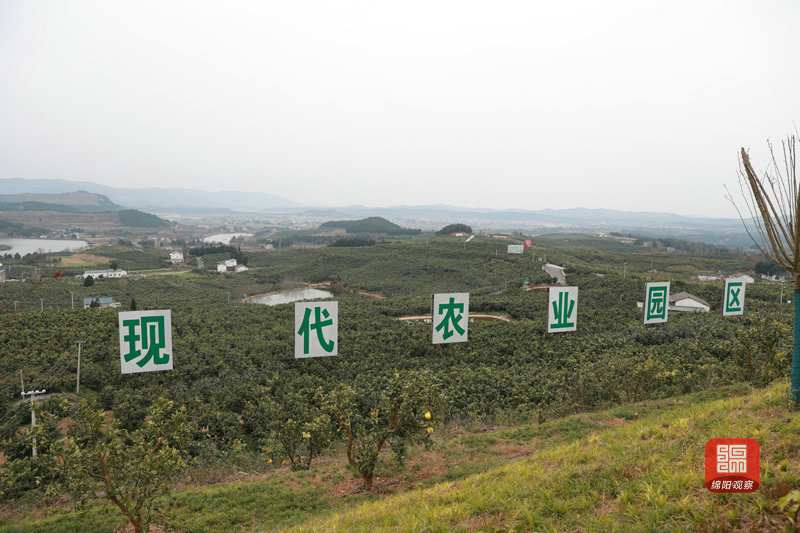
67	202
139	219
369	225
14	229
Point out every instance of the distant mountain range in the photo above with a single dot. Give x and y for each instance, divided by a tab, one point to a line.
152	198
574	216
92	196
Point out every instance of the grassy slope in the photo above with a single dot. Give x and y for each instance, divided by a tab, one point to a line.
602	471
643	476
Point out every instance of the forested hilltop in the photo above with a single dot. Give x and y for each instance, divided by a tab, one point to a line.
236	376
369	225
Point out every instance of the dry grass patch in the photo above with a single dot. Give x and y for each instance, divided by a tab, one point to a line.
84	259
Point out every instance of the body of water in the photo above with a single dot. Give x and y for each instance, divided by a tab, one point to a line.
292	296
225	238
29	246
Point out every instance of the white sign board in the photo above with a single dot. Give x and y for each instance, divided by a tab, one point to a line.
733	301
656	301
450	317
562	309
516	248
145	341
316	329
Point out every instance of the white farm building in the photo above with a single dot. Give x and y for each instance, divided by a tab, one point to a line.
100	274
744	277
175	257
222	266
683	301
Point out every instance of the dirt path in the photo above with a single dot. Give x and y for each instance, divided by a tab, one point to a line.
498	318
168	273
372	294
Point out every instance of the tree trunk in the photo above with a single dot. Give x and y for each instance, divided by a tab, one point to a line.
367	480
796	348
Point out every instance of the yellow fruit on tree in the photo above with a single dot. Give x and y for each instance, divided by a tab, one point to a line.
427	415
430	430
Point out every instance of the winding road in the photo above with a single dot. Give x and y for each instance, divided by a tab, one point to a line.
555	271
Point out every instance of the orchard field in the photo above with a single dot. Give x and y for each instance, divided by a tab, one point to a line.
237	378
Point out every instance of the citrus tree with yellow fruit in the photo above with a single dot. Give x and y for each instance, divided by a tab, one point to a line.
292	426
400	415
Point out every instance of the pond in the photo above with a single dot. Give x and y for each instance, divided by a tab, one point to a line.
29	246
291	296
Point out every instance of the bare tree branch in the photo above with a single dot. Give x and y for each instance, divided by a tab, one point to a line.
772	202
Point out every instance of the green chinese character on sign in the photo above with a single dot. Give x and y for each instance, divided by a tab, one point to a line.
153	336
563	311
131	338
657	303
306	326
733	301
153	340
449	309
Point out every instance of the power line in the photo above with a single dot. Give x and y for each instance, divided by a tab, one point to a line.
49	378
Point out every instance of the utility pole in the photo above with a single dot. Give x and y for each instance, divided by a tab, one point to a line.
78	381
781	293
32	395
72	299
624	270
15	306
41	302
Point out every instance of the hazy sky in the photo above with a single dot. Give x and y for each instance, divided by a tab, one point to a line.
630	105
